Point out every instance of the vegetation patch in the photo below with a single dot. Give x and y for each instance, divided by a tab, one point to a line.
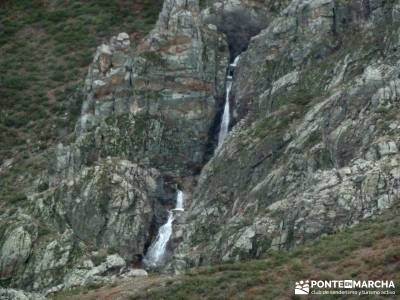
45	49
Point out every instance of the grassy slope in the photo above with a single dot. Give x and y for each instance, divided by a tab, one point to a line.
368	251
45	49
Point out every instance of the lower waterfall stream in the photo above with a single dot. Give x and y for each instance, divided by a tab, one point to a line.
156	253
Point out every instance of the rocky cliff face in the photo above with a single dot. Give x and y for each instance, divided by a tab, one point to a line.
145	127
313	147
157	105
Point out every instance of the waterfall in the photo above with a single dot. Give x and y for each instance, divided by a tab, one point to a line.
156	254
223	132
226	116
235	62
179	201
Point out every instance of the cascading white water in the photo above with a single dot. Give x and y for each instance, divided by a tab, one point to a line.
223	132
226	116
156	254
235	61
179	201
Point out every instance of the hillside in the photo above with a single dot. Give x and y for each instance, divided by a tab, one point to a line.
45	50
368	251
221	137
